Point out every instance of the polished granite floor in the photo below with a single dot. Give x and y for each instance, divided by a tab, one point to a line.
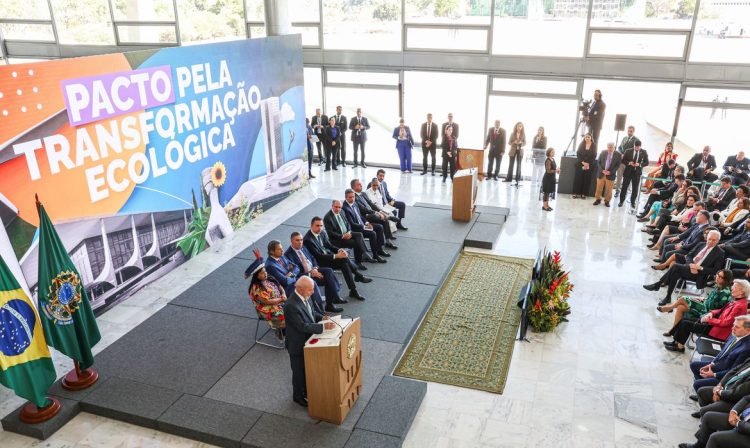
602	380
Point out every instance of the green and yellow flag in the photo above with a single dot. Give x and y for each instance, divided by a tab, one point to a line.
25	362
68	321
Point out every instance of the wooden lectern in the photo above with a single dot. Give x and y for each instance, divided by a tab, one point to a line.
471	158
464	194
333	368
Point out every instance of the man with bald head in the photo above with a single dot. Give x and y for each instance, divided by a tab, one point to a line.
738	168
302	321
342	235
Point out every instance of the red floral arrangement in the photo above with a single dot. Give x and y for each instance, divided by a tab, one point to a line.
549	294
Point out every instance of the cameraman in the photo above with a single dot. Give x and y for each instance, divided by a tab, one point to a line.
595	115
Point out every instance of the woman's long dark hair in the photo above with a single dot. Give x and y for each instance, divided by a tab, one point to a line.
255	281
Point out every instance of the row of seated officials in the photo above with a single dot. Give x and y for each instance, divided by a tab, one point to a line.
693	236
370	214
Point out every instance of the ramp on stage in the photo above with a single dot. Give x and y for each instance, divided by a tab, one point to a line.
193	368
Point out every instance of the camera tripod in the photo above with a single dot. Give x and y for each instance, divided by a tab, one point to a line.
581	121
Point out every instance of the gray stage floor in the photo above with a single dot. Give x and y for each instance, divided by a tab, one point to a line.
194	369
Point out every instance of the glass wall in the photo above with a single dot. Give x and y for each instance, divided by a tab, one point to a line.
721	33
549	28
360	25
465	12
714	126
87	22
208	20
642	14
313	90
649	106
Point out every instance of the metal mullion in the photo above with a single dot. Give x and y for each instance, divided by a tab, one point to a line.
54	27
362	86
320	28
587	40
177	23
244	16
140	23
27	41
306	24
637	57
404	33
3	56
444	26
27	21
114	26
658	31
491	32
551	96
689	44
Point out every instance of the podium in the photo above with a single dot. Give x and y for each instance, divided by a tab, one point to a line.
471	158
464	194
333	370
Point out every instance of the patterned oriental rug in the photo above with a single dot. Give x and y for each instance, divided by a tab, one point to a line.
467	337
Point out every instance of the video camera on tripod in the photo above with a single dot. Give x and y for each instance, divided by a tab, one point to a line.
584	106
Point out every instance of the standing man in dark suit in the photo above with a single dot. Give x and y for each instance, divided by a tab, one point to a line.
701	166
627	143
341	235
429	136
343	125
368	210
302	321
595	116
298	254
700	266
634	160
319	123
738	167
450	124
332	142
496	141
373	232
327	255
400	205
608	163
359	126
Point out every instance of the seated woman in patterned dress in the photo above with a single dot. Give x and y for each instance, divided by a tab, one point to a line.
269	298
694	308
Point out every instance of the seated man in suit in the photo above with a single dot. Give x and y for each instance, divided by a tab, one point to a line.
341	235
368	210
302	321
722	197
685	241
735	351
738	246
400	206
659	194
286	273
379	203
298	254
724	417
701	166
327	255
716	324
373	232
700	266
738	168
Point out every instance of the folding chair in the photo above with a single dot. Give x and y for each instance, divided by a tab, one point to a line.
259	340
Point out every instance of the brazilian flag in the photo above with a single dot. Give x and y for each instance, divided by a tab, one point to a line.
69	324
25	362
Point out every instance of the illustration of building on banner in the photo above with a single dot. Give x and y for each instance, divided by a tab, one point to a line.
270	114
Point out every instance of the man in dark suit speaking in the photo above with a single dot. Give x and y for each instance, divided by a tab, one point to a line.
302	321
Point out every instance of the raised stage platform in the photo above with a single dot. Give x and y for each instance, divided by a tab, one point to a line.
193	368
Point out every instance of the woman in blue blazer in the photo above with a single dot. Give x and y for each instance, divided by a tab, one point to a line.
404	144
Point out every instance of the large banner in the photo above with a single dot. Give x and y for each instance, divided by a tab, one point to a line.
144	159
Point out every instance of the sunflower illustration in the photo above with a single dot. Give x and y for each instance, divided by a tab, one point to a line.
218	174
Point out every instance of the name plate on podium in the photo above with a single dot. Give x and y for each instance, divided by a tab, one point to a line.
333	369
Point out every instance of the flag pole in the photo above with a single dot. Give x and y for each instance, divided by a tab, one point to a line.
78	379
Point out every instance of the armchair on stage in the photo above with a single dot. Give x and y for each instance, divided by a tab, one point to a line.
333	367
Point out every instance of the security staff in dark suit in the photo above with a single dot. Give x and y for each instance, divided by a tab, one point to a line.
343	125
496	141
367	209
341	235
327	255
319	122
450	124
738	167
627	142
429	135
331	142
373	232
700	266
450	153
359	126
302	321
701	166
298	254
634	160
595	116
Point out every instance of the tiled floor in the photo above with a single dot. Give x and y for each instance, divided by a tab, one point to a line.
602	380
